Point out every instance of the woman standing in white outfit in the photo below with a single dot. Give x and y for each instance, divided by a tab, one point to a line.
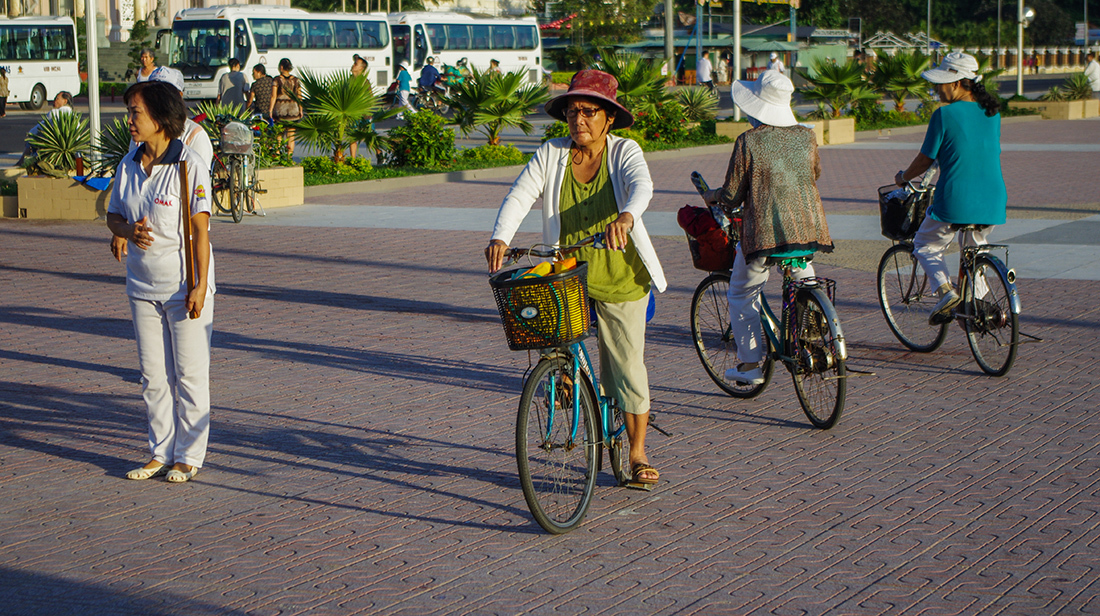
172	325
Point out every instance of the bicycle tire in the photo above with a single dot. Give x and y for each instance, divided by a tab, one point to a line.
710	332
618	453
219	182
236	188
906	298
819	374
992	326
557	474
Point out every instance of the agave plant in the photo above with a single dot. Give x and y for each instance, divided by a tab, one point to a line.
113	145
60	140
336	110
1054	95
210	112
1077	87
493	101
837	85
641	84
698	103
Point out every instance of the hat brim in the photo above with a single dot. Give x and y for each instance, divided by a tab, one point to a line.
759	109
555	107
936	75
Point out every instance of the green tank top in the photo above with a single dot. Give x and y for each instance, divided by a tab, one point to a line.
585	209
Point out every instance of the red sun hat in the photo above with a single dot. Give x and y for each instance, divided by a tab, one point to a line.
592	84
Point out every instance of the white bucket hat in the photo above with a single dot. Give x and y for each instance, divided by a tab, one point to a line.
768	99
955	66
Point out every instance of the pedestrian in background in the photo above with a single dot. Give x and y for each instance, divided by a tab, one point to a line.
233	86
703	71
172	324
286	93
775	64
358	65
1092	71
147	64
4	92
259	95
404	87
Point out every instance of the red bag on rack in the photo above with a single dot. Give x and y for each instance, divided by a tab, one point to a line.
711	248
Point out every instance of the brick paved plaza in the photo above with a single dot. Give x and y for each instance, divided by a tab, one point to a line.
361	457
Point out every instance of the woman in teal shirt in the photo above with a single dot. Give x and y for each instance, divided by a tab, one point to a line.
964	137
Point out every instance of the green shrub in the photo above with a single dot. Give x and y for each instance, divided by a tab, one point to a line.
665	123
422	142
555	130
323	165
634	134
493	156
8	188
562	77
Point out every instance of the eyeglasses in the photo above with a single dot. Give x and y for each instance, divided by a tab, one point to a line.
586	112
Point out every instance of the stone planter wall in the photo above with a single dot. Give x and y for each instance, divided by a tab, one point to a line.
47	198
1050	110
840	130
1091	108
730	129
285	186
11	207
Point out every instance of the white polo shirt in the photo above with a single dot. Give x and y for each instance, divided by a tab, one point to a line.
158	273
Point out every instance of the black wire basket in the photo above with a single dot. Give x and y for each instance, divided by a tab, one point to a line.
544	311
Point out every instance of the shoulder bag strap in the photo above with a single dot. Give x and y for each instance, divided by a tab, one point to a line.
188	242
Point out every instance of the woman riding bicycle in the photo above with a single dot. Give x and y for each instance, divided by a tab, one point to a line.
592	181
772	174
964	137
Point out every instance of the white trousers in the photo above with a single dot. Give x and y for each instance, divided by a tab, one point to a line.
174	355
403	100
622	348
746	283
932	240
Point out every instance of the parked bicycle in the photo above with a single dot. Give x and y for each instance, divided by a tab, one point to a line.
564	423
233	170
806	337
990	307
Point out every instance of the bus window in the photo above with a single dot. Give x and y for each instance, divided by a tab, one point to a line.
503	37
525	37
320	34
421	49
436	37
458	37
400	43
374	34
243	48
263	30
289	34
58	43
347	35
480	37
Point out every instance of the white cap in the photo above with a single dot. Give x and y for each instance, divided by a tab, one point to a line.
167	75
774	55
955	66
768	99
403	64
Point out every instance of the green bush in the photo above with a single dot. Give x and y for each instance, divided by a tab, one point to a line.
562	77
8	188
555	130
323	165
493	156
633	133
423	141
665	123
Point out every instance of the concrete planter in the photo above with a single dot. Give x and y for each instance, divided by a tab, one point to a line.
1050	110
11	207
285	187
840	130
730	129
1091	108
818	126
46	198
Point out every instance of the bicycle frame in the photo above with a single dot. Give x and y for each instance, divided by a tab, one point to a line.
582	364
967	261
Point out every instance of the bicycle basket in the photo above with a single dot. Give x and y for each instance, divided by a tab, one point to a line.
236	138
543	312
901	216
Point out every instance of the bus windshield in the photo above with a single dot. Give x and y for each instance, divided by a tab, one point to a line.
200	46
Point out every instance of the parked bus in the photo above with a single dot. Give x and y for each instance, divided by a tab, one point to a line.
449	37
204	39
40	57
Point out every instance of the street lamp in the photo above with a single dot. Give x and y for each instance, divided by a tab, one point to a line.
1024	17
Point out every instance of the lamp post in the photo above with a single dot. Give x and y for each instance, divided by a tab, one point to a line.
1024	17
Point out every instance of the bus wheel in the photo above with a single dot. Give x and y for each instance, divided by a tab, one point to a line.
38	97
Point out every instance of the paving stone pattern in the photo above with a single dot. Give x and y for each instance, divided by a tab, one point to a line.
362	461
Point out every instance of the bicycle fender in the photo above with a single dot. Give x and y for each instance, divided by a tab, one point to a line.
1010	276
830	314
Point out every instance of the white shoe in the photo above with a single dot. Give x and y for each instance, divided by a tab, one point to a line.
175	476
941	312
754	376
142	473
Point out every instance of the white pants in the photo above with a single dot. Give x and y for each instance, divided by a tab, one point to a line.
174	354
622	347
746	283
403	100
932	240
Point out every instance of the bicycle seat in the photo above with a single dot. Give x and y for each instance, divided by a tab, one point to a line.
794	258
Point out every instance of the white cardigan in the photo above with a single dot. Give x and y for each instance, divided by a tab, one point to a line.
543	176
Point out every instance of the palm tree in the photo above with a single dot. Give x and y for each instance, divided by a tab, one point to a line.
335	108
493	102
837	85
641	84
899	77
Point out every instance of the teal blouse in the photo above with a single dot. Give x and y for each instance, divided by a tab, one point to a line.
967	145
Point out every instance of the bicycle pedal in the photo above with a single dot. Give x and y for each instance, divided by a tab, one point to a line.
634	485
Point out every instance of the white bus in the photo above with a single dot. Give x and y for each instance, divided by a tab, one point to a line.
39	55
449	37
204	39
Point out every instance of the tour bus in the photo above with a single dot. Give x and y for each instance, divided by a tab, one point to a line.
40	57
204	39
449	37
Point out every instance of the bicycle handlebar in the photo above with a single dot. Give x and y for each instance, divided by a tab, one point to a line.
514	254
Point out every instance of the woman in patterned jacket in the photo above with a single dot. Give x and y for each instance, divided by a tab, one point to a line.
772	174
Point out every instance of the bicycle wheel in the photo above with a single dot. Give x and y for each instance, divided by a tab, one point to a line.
219	183
619	451
819	376
710	330
237	189
992	328
556	459
907	299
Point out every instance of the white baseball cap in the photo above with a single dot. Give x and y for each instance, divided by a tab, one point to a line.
168	75
955	66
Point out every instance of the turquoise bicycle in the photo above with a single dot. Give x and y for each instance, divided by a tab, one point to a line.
563	424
